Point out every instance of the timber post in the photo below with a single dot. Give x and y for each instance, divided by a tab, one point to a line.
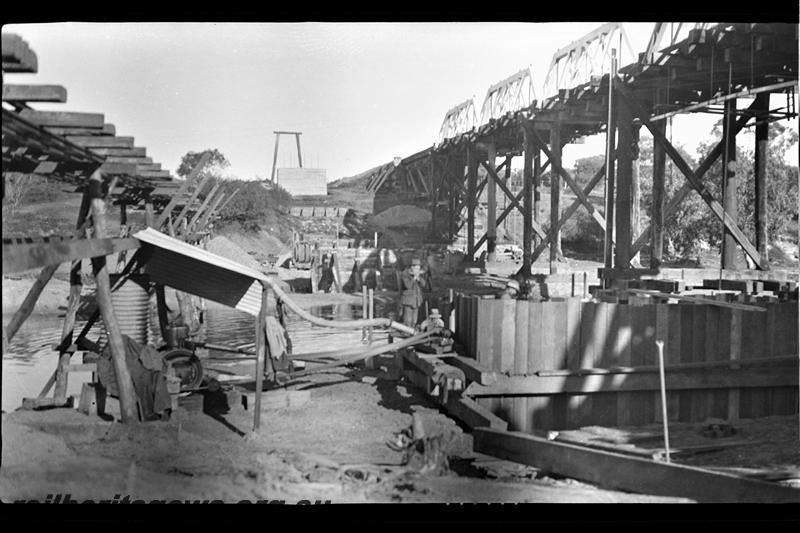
555	197
624	156
149	214
64	356
491	200
472	201
161	300
760	171
730	183
537	184
75	289
127	395
611	132
507	197
659	195
261	354
527	204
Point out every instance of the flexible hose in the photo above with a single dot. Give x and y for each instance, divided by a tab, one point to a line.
342	324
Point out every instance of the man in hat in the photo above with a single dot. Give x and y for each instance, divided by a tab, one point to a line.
413	280
326	279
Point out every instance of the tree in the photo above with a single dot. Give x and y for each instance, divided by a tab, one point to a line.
693	226
215	163
587	167
252	203
687	229
782	185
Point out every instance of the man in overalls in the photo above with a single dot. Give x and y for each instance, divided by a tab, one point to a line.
413	280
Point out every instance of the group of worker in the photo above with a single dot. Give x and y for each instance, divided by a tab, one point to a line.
414	281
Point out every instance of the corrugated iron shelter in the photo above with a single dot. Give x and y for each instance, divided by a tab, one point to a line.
190	269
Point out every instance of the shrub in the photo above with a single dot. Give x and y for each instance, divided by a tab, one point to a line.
581	227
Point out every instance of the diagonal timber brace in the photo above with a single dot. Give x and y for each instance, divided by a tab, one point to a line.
686	188
184	188
485	181
515	202
510	207
569	212
572	184
692	178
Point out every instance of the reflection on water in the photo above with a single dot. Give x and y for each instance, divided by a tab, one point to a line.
31	359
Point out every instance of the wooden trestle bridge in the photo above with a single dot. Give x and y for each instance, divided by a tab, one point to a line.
685	68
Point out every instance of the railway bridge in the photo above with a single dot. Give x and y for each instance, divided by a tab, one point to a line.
685	68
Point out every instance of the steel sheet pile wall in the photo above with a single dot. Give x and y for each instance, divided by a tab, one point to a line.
522	338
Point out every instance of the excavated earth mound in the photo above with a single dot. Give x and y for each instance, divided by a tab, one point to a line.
403	215
228	249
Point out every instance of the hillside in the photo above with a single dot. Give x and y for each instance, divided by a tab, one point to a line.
255	220
359	181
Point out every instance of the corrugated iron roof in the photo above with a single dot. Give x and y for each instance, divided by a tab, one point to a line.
196	271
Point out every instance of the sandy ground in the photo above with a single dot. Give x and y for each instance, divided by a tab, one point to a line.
332	448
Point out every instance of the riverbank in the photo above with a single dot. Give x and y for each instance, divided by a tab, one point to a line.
333	448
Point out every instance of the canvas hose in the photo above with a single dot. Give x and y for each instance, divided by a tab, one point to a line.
341	324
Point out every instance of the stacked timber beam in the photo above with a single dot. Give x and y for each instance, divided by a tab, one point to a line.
68	146
742	286
444	376
17	55
81	149
64	145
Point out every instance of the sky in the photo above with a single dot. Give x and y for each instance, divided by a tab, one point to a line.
360	93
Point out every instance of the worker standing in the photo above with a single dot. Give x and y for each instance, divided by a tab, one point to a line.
326	279
413	281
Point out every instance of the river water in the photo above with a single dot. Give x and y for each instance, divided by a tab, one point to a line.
31	360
